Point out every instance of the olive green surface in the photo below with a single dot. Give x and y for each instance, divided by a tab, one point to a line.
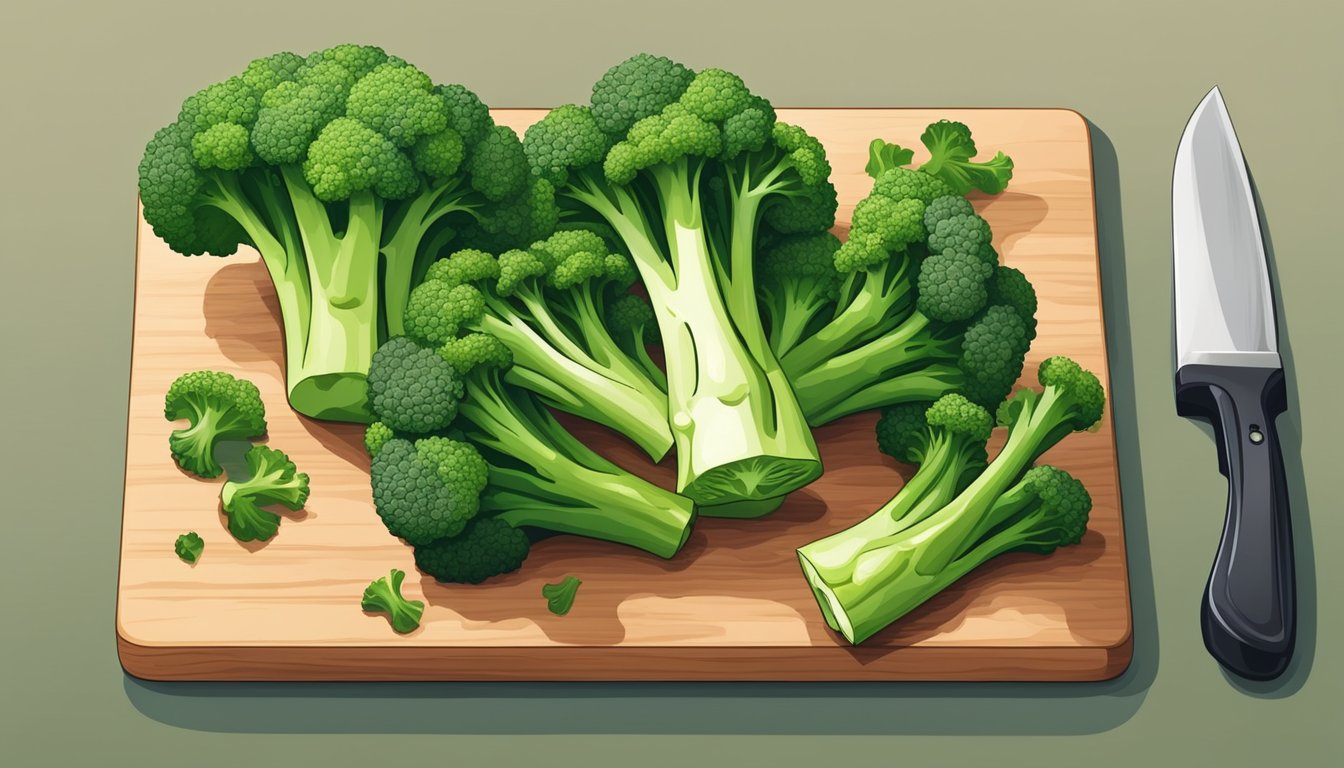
85	87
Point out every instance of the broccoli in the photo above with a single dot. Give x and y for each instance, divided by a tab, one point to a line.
218	407
272	479
384	596
956	512
477	463
560	596
348	171
189	547
692	172
922	307
549	305
950	151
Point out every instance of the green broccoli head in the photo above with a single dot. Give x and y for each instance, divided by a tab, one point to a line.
272	480
217	407
904	184
953	286
951	149
963	233
1081	387
428	489
1072	400
438	310
632	322
908	431
810	210
1009	287
640	86
487	547
567	137
946	207
412	389
1055	511
993	349
902	431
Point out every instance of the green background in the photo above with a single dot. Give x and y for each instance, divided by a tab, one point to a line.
85	87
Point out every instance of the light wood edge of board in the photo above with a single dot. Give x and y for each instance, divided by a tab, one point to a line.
642	663
633	664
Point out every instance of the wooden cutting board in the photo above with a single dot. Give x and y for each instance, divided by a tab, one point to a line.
732	606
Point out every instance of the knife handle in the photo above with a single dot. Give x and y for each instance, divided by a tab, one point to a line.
1249	610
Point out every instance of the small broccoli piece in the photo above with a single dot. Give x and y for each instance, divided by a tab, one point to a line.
189	547
384	596
560	596
218	407
883	156
951	150
272	479
957	512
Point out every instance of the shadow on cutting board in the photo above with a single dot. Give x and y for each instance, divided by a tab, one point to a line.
748	708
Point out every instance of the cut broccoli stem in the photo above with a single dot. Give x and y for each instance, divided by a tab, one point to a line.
739	433
562	485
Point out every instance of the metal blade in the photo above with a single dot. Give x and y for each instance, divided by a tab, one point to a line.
1224	304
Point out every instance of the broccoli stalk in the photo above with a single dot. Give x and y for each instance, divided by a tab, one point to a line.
943	524
684	169
346	170
548	305
272	480
218	407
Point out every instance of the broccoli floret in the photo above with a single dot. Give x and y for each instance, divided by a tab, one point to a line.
923	308
189	547
690	171
376	436
560	596
956	513
348	171
550	306
466	498
217	407
799	286
883	156
384	596
272	479
951	150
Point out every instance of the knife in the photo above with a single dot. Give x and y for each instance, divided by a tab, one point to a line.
1228	372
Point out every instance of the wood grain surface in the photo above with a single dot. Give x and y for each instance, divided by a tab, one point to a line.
732	606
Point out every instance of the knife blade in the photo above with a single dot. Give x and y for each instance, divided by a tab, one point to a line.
1229	373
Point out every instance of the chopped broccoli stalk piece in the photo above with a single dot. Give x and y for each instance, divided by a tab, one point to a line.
218	407
347	171
272	480
956	513
560	596
189	547
384	596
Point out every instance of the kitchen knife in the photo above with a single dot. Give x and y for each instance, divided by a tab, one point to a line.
1228	372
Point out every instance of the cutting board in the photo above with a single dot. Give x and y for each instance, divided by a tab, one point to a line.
732	606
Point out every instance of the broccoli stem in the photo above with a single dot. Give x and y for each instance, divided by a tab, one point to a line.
739	433
865	313
552	481
639	414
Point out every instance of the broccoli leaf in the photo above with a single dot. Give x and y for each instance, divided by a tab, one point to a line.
560	596
384	596
189	547
951	149
883	156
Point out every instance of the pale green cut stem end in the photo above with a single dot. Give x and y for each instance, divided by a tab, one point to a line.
332	397
836	616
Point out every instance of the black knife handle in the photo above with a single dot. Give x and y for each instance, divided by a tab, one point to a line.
1249	611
